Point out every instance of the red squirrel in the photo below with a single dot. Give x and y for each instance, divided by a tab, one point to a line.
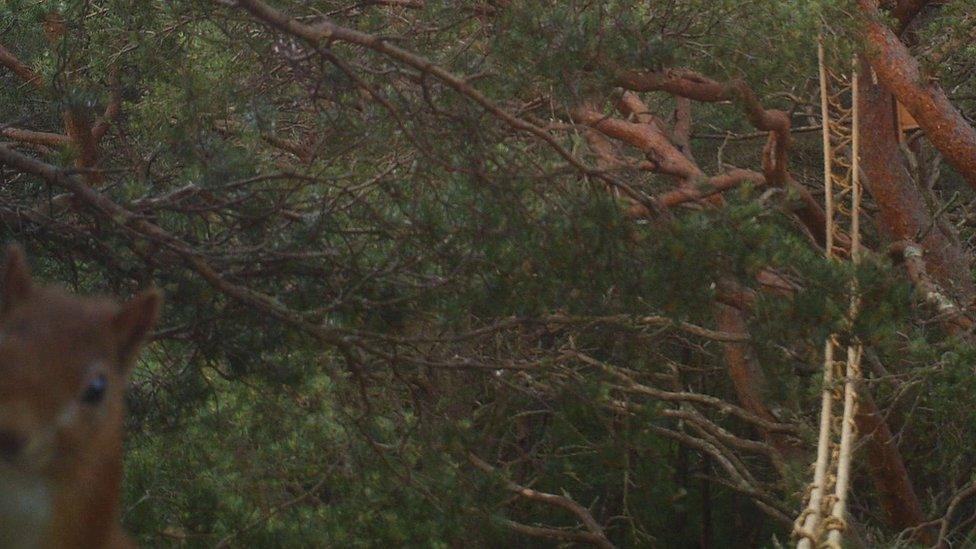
64	365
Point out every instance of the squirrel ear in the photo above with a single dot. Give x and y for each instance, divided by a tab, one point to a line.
17	283
134	321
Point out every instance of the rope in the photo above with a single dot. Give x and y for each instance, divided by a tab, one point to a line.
822	521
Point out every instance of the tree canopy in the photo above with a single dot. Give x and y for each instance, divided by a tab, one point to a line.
506	271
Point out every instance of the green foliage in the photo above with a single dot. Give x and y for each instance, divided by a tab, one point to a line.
477	294
276	465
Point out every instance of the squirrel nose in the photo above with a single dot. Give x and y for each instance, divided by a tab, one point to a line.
11	444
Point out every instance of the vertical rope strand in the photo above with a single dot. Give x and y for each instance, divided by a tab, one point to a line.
827	156
853	371
811	516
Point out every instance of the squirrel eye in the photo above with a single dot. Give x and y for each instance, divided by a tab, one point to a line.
95	391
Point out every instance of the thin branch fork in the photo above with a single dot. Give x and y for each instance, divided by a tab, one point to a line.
624	321
550	533
968	491
721	405
699	422
345	340
598	538
737	483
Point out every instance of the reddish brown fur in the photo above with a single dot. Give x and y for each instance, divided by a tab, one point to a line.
52	349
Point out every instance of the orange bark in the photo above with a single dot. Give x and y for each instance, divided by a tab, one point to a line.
79	127
922	96
890	478
747	377
903	214
691	85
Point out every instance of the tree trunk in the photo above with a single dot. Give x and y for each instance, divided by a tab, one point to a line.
887	469
921	95
903	213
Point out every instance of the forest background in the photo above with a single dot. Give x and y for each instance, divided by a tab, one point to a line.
486	272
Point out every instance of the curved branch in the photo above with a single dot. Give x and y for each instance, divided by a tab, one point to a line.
692	85
581	513
710	187
735	480
654	144
946	519
680	82
683	83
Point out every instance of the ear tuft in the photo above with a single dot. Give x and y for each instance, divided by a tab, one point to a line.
17	283
134	321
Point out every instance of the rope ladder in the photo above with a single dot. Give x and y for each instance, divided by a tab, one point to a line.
822	521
